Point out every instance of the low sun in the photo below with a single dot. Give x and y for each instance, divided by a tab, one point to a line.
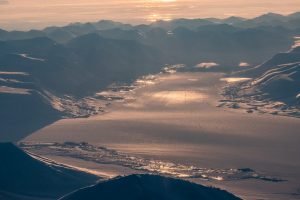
164	1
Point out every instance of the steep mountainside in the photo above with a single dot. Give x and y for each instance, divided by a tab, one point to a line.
278	78
82	66
24	106
22	176
281	83
38	76
290	57
273	88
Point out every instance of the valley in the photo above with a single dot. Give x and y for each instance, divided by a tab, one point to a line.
151	110
175	119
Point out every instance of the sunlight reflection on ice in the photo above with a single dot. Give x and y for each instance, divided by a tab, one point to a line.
297	42
235	79
11	90
179	97
102	155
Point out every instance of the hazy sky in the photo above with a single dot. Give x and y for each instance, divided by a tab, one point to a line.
25	14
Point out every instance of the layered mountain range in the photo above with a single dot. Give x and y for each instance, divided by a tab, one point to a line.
189	41
47	72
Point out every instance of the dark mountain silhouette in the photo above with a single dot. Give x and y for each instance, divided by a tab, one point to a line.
22	114
230	20
148	187
272	19
20	35
79	68
204	43
82	66
22	176
71	31
133	34
233	20
191	41
268	18
191	24
223	44
25	107
65	33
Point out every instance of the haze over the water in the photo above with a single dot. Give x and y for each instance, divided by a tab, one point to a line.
20	14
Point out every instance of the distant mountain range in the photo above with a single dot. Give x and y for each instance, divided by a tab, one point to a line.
149	187
272	19
24	177
190	41
77	29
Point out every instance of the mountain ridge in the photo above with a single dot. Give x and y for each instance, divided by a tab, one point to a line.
148	187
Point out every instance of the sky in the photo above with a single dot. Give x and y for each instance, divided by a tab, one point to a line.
36	14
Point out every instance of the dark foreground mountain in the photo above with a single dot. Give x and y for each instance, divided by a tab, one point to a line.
24	177
149	187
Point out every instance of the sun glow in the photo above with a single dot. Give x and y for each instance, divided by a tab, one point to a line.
162	1
156	17
168	1
178	97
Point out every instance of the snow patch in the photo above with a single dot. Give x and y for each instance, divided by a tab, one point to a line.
207	65
31	58
11	90
244	64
